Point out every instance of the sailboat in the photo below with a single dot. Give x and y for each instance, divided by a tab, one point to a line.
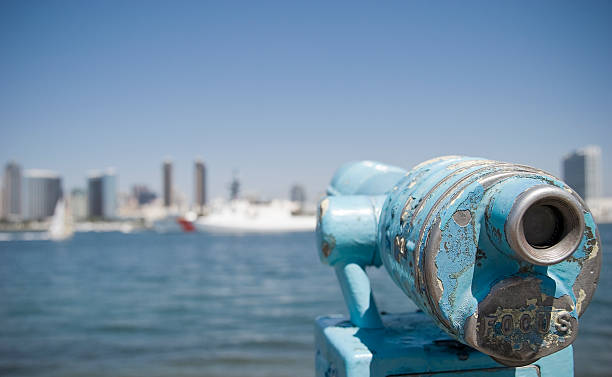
61	223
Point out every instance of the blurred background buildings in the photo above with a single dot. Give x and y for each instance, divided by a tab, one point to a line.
41	189
167	182
31	195
199	186
583	172
102	195
11	192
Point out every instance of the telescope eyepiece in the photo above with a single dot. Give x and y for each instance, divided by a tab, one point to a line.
545	225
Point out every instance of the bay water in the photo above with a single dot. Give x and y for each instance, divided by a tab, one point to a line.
147	304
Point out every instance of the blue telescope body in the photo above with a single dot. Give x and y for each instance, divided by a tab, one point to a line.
504	258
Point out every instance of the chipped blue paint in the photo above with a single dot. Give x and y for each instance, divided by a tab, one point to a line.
440	231
458	268
347	228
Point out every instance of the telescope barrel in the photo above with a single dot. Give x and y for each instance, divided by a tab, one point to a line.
503	257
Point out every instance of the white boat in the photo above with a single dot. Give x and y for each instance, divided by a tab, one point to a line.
61	223
242	216
175	223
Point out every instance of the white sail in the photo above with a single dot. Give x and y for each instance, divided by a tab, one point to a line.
61	227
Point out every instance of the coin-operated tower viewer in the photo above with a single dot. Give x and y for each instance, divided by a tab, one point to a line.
502	260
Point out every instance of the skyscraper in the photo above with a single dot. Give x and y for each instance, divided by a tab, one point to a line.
78	204
200	185
297	194
41	191
582	171
142	194
94	196
11	192
109	194
102	195
167	182
235	187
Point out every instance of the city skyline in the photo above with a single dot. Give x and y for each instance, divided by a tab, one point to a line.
286	93
581	169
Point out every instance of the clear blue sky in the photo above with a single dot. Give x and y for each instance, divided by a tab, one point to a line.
286	92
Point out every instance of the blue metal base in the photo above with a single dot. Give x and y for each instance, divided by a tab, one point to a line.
412	345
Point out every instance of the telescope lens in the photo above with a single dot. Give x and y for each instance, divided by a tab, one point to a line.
543	226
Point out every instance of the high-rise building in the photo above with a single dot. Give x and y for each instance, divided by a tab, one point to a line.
102	195
78	204
235	187
167	182
41	191
109	194
143	194
11	192
94	196
582	171
200	184
297	194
